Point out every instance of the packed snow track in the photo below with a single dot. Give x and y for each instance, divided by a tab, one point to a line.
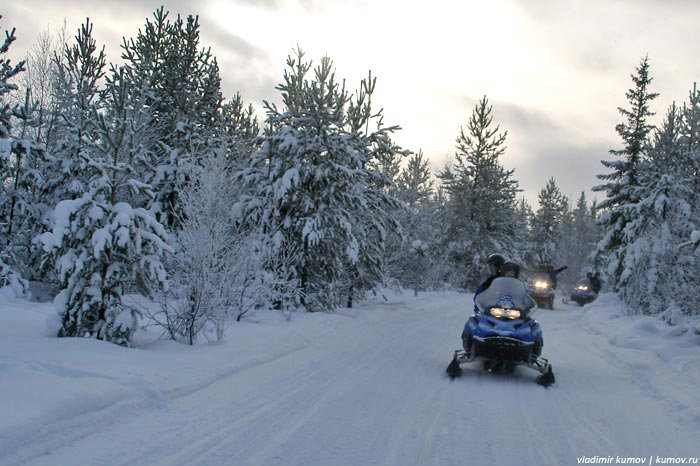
365	387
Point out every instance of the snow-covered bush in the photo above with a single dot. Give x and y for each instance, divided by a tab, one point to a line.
215	272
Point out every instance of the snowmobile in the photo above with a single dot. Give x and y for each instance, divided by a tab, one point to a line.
502	333
583	293
541	289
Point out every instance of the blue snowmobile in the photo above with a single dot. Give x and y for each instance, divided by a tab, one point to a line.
541	289
502	333
583	293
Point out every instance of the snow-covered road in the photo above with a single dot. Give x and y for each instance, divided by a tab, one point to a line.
369	389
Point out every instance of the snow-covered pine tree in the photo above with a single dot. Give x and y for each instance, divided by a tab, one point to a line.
180	83
77	74
237	132
315	198
104	247
622	182
413	250
11	149
577	237
78	97
415	184
20	189
690	148
662	273
481	198
546	222
659	223
375	215
522	220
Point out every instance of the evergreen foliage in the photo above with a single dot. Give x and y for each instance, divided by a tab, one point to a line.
480	199
622	183
547	222
19	179
315	198
102	246
179	81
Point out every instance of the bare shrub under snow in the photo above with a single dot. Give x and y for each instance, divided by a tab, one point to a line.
214	273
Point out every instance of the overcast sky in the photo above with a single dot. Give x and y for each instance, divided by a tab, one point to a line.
555	71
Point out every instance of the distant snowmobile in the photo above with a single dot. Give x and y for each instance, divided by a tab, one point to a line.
541	289
583	293
502	333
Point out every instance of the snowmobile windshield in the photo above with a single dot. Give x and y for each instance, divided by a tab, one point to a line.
505	292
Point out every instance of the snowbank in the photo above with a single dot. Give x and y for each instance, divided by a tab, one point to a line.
678	345
84	383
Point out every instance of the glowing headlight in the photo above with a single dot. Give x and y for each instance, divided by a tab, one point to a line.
541	284
582	288
502	313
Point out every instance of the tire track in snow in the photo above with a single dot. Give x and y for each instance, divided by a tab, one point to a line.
431	432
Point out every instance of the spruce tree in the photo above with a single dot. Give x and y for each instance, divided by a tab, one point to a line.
415	185
20	191
237	131
480	198
547	221
690	149
522	221
657	222
622	183
577	237
659	273
413	251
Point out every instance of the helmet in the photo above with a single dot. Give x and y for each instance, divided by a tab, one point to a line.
495	261
512	267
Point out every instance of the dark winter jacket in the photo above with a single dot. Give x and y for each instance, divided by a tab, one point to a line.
553	275
595	284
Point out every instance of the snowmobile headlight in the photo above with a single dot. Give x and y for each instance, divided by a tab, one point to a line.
582	288
502	313
513	313
541	284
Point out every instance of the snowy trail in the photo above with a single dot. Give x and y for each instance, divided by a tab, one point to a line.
373	392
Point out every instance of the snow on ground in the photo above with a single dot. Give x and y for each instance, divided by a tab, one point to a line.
356	387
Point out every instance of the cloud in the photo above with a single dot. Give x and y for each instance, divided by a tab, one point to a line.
520	119
574	168
540	145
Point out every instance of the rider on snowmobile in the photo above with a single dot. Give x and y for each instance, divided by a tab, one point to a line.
553	275
494	261
500	332
594	281
510	269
